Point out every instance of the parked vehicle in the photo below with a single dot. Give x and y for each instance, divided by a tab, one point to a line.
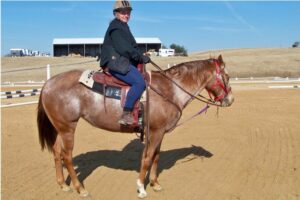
166	52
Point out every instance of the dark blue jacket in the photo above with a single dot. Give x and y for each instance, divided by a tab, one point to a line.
119	48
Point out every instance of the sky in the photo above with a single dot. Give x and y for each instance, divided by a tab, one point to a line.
196	25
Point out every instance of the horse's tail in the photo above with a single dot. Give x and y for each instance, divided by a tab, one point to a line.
47	132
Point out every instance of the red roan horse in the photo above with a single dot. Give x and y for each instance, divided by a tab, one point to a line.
63	101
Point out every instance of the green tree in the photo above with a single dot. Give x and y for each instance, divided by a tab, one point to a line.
296	44
179	50
163	46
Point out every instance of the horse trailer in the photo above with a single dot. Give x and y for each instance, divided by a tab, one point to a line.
166	52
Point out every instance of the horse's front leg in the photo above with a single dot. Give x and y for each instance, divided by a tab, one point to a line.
153	173
145	164
147	160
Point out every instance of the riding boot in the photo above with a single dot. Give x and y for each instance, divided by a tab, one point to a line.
126	118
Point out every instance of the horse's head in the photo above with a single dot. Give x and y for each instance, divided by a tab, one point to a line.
218	85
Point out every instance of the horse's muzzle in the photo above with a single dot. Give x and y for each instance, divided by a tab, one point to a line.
227	100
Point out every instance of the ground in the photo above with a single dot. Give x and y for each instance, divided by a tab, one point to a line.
250	150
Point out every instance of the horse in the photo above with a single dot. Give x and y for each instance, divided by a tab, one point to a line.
63	101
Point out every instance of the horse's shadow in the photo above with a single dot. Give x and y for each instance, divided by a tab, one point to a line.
129	158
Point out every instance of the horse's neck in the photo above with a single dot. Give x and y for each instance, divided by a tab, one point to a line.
180	97
190	85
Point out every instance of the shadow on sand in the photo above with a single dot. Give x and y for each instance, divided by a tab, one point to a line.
129	158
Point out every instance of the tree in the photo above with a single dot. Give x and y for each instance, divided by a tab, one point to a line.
179	50
163	47
296	44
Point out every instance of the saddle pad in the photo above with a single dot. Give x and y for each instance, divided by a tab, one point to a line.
86	78
110	91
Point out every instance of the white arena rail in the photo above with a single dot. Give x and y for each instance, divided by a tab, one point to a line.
20	93
284	86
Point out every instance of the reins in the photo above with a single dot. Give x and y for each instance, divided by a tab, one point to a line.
193	116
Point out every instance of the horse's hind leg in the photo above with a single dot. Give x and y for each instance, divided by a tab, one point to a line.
57	152
68	144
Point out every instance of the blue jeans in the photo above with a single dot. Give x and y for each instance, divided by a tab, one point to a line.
135	79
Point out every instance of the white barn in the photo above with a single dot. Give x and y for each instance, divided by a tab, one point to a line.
92	46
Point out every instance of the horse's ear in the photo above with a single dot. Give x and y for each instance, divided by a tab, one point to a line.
220	59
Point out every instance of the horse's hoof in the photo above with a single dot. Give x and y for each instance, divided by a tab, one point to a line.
157	188
84	193
141	190
65	188
142	195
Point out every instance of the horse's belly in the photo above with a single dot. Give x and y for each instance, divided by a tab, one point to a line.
105	114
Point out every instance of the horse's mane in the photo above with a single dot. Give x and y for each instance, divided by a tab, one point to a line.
192	66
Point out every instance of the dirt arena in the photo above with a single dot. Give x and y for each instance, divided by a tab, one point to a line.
250	151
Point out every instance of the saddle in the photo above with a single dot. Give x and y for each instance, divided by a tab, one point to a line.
104	83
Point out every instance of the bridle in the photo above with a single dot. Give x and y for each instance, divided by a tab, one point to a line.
219	82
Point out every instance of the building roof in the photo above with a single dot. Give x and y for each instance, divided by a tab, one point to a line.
16	49
100	40
148	40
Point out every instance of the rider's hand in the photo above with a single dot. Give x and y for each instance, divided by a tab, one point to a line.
146	59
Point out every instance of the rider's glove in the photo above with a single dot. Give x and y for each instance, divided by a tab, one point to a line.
145	59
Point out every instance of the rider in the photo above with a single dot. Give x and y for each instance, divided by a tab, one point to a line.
120	54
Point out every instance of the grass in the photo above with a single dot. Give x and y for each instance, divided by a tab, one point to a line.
260	62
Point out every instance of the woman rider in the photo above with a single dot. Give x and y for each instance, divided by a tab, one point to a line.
120	54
